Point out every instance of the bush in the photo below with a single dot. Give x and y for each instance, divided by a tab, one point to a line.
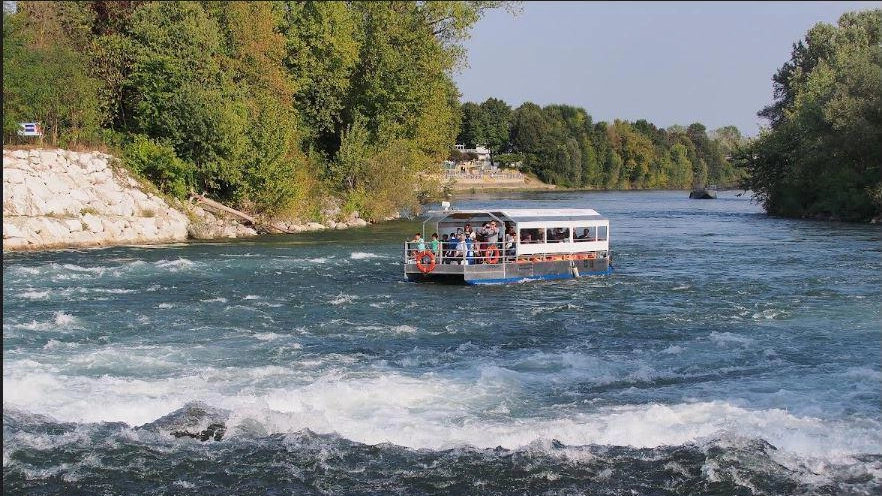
159	163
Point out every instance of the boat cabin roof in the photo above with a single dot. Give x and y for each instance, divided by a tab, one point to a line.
517	215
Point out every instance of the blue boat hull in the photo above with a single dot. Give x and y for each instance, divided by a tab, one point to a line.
508	273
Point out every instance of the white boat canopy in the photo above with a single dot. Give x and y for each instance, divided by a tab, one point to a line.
517	215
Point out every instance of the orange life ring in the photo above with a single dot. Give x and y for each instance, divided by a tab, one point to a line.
425	266
492	255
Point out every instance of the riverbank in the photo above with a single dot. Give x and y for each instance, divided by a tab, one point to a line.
491	182
54	199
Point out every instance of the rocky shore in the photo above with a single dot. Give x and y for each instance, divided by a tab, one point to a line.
55	198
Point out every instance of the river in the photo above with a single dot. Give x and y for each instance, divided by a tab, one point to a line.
728	353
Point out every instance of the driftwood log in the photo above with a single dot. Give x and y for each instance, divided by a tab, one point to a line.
213	205
246	219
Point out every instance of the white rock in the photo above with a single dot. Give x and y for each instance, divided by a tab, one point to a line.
93	223
74	225
84	238
12	176
11	230
14	243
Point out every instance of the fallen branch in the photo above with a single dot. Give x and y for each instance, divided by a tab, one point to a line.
219	206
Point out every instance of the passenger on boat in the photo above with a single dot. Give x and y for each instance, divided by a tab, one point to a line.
435	245
450	248
470	249
492	232
480	241
461	248
417	244
509	244
586	234
555	235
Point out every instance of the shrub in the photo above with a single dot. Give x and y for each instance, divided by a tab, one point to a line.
159	163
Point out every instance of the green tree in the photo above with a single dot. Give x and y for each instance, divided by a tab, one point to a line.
45	79
322	44
497	116
473	130
822	153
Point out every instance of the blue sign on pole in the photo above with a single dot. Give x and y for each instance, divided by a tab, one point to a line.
30	129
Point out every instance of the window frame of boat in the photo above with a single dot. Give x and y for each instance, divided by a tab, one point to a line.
444	221
567	246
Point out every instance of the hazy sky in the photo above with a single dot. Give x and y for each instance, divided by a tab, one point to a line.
666	62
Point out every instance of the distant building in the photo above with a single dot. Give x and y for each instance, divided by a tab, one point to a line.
481	161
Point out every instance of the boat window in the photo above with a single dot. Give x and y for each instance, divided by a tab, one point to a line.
602	233
585	233
528	236
557	234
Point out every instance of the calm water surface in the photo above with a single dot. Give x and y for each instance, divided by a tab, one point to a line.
729	353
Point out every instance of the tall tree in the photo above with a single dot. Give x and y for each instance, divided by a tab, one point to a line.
497	115
822	153
473	130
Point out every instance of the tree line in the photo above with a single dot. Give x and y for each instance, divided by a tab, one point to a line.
562	145
276	106
271	106
821	157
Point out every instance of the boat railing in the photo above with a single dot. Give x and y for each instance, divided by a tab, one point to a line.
488	253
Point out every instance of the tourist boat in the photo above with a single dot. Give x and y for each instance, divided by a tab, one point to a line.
543	244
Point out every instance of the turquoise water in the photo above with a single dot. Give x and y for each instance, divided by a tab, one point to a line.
729	353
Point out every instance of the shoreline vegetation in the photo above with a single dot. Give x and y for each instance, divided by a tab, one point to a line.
260	107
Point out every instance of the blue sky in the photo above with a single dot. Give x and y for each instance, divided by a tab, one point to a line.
666	62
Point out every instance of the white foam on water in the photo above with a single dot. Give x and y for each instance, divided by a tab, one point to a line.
35	295
381	328
32	326
251	297
770	314
359	255
430	410
727	338
341	299
403	329
174	265
165	305
28	271
672	350
437	414
107	290
864	373
53	344
318	260
218	299
78	268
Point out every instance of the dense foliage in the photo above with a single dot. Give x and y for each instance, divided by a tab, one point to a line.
561	145
275	106
267	105
821	156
